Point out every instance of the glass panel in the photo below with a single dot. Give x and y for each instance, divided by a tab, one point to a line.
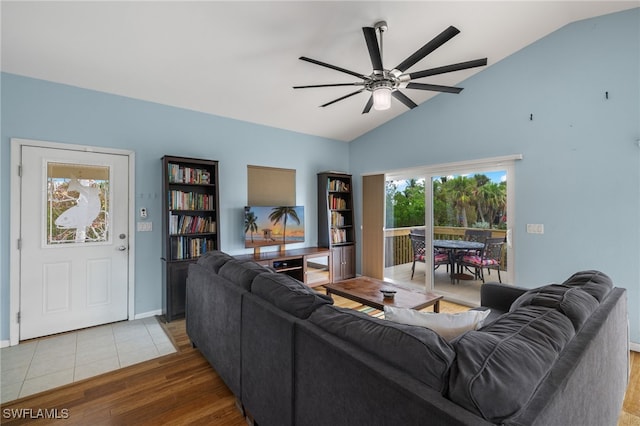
462	206
468	208
77	203
405	212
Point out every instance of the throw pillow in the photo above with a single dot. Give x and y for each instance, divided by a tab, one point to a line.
448	326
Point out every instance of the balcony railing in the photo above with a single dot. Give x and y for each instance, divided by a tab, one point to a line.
397	249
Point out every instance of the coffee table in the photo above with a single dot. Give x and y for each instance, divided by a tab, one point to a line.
366	290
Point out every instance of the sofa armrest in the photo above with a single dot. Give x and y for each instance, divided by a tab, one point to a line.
499	297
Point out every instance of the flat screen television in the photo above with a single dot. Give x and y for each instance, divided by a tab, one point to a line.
273	225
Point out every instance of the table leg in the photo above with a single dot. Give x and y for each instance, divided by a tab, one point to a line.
452	264
436	307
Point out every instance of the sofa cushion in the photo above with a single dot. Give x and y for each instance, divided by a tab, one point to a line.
241	273
418	351
288	294
213	260
498	368
446	325
593	282
573	302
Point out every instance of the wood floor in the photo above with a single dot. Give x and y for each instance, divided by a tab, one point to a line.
180	389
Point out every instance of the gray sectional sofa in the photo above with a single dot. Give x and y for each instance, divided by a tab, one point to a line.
555	355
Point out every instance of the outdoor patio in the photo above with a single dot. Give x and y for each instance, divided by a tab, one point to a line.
466	292
398	261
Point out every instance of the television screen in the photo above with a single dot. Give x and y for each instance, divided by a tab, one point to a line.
268	226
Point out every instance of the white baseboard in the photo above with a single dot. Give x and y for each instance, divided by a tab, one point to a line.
148	314
5	343
634	346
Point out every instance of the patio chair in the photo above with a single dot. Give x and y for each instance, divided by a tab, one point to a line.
477	235
490	258
418	246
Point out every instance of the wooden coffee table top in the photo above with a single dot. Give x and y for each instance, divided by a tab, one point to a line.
366	290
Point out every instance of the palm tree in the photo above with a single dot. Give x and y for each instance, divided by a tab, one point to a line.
250	223
282	213
481	181
493	197
460	190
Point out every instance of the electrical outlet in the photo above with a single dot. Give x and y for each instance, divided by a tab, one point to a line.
143	212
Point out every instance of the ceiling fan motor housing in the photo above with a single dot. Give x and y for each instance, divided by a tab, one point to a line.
382	83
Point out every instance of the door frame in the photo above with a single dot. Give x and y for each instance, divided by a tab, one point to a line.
15	232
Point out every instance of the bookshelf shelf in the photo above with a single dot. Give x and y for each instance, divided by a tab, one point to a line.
190	223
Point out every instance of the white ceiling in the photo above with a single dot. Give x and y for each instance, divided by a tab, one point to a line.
240	59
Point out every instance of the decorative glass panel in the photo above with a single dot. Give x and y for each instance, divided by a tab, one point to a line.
77	203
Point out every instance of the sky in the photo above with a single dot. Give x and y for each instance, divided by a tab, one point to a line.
496	177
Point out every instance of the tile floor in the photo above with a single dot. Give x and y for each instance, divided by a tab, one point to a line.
49	362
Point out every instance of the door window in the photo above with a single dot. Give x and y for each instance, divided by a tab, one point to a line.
77	204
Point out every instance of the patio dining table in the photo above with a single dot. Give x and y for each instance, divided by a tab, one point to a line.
454	246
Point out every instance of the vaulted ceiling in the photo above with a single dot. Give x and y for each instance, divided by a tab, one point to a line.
240	59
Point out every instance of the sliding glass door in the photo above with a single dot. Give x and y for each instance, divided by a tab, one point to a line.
441	204
468	210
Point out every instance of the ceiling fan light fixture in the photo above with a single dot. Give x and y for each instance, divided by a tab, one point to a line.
382	97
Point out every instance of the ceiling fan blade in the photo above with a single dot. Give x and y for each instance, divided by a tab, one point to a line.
368	106
329	85
343	97
436	42
374	49
434	87
333	67
404	99
449	68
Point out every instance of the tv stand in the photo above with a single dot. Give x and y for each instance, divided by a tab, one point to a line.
311	265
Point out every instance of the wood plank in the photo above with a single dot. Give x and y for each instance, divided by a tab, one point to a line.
182	388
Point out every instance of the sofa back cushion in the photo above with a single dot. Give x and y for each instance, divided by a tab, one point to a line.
416	350
288	294
241	273
575	303
213	260
593	282
498	368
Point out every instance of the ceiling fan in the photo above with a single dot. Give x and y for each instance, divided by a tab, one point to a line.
384	83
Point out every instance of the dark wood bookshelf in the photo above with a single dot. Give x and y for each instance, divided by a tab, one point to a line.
190	224
336	229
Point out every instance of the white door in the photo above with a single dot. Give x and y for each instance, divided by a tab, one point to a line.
74	242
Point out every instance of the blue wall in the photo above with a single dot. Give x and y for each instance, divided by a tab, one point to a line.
580	173
36	109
